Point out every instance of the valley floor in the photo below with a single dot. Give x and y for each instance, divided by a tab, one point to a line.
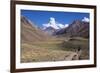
54	50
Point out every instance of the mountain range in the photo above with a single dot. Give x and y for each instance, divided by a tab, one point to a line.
76	28
31	33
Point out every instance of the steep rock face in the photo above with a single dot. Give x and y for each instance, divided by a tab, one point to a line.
77	28
30	32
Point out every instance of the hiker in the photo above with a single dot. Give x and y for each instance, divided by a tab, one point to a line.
79	52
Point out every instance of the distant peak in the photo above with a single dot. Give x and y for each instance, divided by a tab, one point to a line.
54	24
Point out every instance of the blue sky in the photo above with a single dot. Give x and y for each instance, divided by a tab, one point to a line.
42	17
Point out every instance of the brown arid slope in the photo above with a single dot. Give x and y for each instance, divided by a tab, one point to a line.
30	32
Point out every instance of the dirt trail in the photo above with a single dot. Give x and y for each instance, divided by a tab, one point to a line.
72	56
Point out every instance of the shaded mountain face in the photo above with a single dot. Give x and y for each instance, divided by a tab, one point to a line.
77	28
30	32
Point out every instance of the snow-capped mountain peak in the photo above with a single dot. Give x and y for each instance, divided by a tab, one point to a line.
54	24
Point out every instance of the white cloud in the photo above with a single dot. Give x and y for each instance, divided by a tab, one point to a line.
49	25
85	19
60	25
54	24
66	25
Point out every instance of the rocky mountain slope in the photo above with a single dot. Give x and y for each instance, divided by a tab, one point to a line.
77	28
30	32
